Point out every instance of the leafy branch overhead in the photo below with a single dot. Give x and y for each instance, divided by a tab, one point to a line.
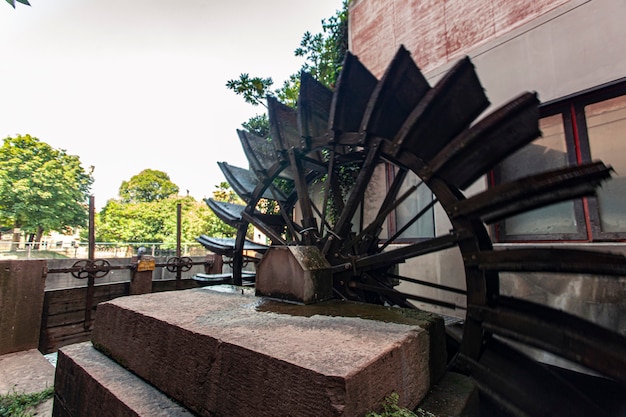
12	2
323	54
254	90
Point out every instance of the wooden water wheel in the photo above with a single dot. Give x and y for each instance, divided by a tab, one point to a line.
316	175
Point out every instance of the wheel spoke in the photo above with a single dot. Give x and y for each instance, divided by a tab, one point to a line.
390	292
354	198
403	124
412	221
428	284
398	255
523	386
386	208
558	332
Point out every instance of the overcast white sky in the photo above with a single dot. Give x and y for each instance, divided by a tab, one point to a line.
133	84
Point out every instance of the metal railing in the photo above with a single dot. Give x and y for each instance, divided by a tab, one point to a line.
80	250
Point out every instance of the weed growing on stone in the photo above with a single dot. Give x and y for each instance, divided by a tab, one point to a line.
19	405
392	409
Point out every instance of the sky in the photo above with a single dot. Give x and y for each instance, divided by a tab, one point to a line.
140	84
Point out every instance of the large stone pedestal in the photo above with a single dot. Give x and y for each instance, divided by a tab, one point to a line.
228	354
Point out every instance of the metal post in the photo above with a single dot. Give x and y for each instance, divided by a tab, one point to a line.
178	234
91	257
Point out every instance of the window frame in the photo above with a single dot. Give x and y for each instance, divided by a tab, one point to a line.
586	209
393	221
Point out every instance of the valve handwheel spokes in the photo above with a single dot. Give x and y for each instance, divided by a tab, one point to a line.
97	268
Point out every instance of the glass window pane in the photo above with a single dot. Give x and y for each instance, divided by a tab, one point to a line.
546	153
425	226
606	124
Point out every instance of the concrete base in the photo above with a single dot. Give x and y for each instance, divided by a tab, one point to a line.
455	395
233	354
294	273
88	384
27	372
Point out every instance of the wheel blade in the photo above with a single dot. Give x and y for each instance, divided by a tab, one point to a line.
395	96
283	126
259	151
441	115
244	182
313	107
220	246
558	332
524	387
541	259
532	192
481	147
354	88
229	213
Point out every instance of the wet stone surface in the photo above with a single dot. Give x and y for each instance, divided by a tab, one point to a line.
224	353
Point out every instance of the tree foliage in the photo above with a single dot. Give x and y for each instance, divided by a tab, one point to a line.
148	186
258	125
145	221
41	188
323	52
223	192
155	221
253	89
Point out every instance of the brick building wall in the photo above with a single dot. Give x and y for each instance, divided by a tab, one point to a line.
434	31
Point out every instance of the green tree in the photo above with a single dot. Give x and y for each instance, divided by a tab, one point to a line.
323	53
259	125
147	186
253	89
155	221
149	219
41	188
223	192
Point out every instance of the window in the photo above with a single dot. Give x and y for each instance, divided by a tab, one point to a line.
579	129
412	219
415	215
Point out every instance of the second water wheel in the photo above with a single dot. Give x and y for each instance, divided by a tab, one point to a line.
311	184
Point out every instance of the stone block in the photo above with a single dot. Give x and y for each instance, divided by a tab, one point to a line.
294	273
232	354
88	384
